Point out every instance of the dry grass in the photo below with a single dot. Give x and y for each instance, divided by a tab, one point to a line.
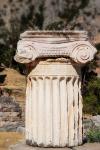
97	39
16	82
9	138
14	79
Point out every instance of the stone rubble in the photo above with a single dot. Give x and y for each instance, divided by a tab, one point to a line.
11	115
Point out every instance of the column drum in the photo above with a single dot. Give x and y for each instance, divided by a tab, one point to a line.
54	104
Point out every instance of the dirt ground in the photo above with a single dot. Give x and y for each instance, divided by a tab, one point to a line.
13	79
16	83
9	138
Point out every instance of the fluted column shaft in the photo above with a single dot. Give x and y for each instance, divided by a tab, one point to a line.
53	94
54	105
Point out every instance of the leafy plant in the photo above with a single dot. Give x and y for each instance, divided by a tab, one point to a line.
93	135
91	96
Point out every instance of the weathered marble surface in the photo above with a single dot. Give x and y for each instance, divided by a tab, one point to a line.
34	44
23	146
53	94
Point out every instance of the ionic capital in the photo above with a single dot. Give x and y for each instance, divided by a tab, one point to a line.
71	44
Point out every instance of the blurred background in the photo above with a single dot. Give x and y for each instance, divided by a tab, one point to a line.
17	16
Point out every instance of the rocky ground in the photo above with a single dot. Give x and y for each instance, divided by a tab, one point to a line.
90	122
9	138
15	83
11	114
12	101
87	146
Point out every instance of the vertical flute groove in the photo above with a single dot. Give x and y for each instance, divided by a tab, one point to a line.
54	115
40	111
34	108
70	112
76	110
80	114
63	113
48	111
29	125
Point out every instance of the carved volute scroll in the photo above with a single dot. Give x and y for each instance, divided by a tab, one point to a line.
41	44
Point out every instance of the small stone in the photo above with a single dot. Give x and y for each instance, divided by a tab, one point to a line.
1	114
88	146
96	120
21	130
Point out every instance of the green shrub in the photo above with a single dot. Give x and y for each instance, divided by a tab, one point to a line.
93	135
91	97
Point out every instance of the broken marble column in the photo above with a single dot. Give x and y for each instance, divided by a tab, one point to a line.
53	93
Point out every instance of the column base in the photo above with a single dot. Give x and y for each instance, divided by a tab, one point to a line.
24	146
